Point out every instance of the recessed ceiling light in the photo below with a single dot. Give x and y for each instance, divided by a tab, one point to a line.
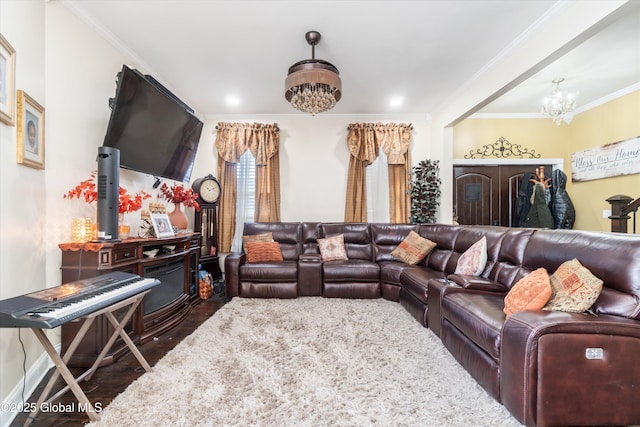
396	101
232	100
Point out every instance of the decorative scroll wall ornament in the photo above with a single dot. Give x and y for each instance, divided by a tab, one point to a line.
502	149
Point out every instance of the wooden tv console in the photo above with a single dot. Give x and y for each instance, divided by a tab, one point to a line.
170	304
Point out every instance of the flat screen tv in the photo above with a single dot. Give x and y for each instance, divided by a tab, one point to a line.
155	132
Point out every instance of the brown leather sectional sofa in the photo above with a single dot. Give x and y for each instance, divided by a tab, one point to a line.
547	368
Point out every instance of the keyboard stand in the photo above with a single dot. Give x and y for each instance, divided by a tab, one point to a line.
61	362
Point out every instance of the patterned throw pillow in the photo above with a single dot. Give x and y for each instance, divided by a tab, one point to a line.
531	292
574	288
474	259
332	248
413	248
263	252
263	237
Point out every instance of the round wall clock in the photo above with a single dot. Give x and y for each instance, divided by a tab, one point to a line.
208	188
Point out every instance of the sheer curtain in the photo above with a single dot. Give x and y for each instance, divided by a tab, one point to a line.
245	197
378	190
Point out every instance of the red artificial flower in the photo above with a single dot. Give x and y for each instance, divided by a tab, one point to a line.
126	202
177	194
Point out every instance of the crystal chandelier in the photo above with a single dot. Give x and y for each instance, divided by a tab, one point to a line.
313	85
559	104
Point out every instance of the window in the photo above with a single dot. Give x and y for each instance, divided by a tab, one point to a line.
246	197
378	190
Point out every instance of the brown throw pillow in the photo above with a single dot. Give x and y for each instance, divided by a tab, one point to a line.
413	248
530	293
263	252
574	288
263	237
332	248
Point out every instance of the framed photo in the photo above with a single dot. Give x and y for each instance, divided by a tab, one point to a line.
30	132
7	82
162	225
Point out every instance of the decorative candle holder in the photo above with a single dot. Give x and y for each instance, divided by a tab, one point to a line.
81	229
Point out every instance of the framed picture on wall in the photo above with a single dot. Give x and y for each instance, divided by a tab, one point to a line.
162	225
7	82
30	132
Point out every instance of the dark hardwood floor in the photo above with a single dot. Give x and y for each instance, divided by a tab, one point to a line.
110	380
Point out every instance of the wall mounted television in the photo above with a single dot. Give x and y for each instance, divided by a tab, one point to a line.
155	131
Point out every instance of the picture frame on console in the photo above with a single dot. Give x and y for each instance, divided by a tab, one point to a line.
30	132
7	82
162	225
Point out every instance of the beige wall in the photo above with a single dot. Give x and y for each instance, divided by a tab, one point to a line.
610	122
313	159
23	194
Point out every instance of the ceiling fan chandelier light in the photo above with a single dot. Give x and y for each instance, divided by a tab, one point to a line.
559	104
313	85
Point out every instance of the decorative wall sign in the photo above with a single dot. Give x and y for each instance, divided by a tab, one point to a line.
502	149
615	159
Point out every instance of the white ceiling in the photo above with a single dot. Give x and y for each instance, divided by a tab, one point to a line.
423	51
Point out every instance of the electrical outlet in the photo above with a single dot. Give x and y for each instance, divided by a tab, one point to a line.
606	213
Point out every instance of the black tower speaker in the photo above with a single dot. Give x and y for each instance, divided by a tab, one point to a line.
108	192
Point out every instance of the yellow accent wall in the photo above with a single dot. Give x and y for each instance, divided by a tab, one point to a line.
614	121
541	135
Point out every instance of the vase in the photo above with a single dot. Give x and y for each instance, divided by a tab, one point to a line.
123	227
178	218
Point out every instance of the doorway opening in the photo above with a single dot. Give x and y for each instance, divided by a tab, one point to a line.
485	190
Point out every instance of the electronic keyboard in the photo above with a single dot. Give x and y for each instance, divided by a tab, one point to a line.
52	307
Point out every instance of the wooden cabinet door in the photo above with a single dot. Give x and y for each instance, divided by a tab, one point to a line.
486	195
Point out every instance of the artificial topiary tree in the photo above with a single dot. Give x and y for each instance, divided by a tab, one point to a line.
425	192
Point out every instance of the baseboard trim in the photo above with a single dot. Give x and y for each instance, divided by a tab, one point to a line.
32	379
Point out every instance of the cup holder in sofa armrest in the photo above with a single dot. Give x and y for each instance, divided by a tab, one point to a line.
310	258
477	282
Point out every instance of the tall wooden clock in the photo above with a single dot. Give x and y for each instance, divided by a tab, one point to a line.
206	222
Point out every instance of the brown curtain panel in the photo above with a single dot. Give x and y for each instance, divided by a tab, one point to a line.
363	148
232	141
264	145
227	206
364	141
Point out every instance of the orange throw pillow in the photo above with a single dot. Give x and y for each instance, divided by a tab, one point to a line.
263	237
263	252
530	293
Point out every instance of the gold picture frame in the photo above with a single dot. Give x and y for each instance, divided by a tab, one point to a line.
30	131
7	82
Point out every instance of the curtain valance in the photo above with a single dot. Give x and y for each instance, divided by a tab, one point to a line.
234	139
366	139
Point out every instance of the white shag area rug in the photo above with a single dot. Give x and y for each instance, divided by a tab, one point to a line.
307	362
